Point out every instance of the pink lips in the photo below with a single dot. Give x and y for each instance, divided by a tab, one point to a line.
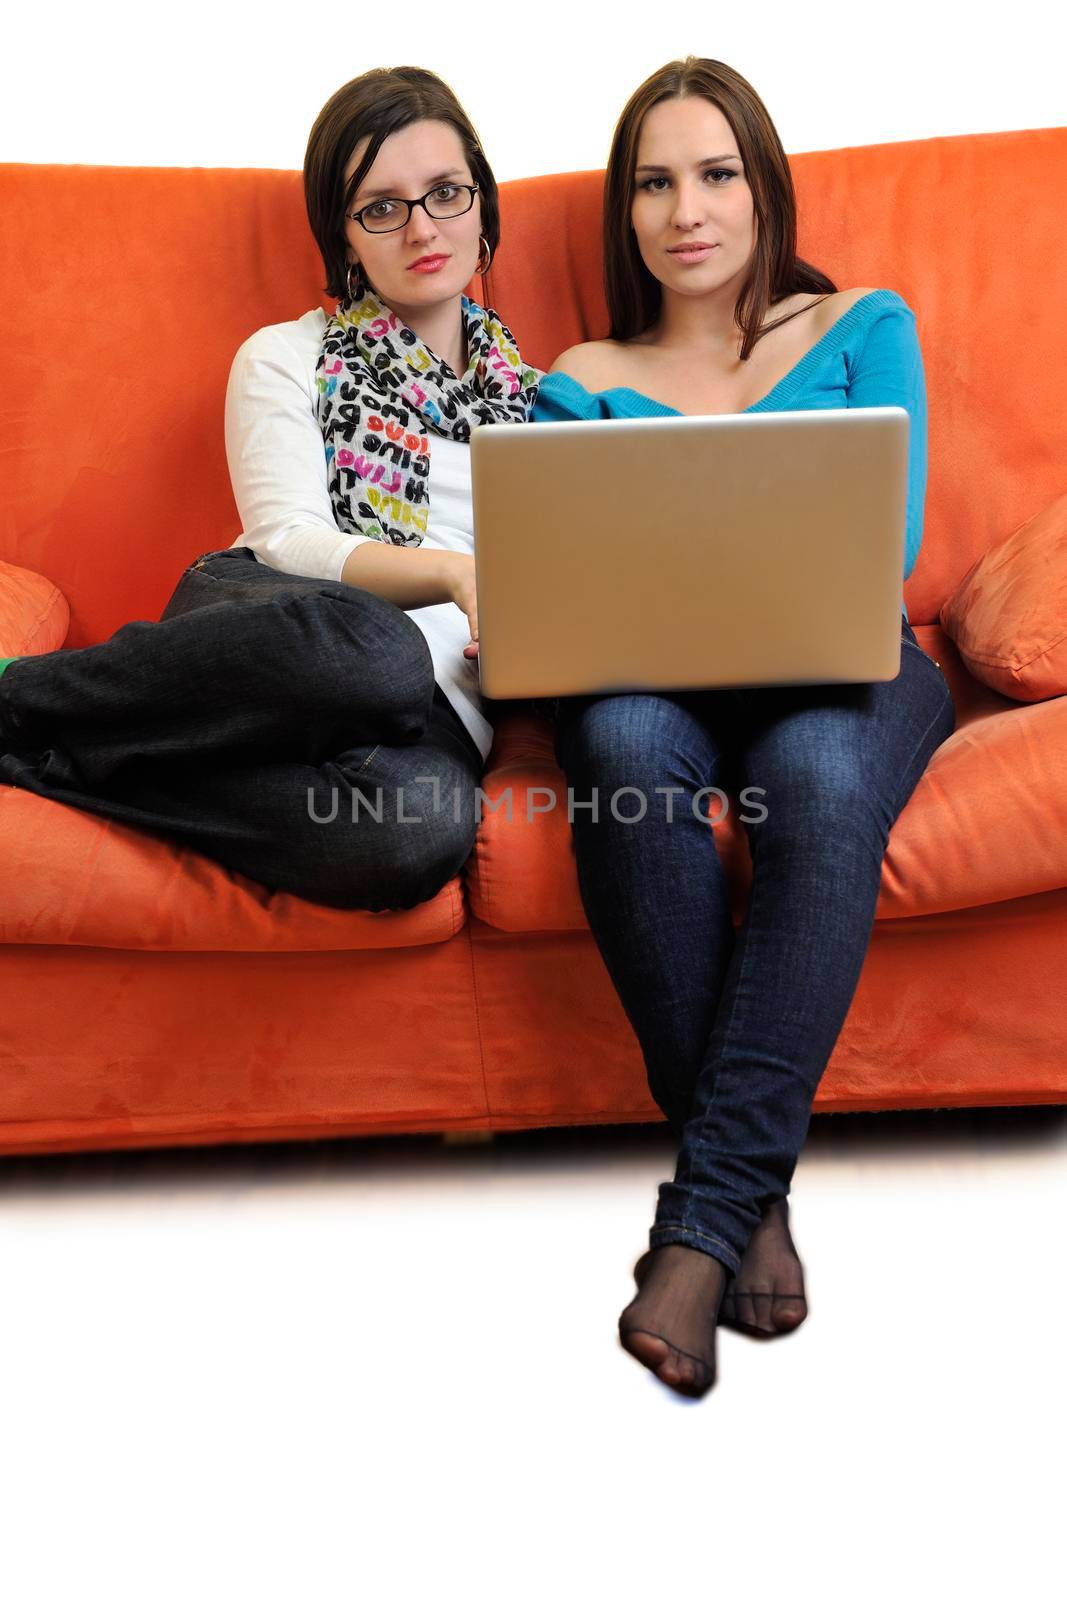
694	252
428	264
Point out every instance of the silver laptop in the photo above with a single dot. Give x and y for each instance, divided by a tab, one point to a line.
690	552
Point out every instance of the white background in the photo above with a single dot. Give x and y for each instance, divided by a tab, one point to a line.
240	84
390	1370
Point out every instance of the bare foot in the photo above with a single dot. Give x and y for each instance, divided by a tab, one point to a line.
766	1295
669	1326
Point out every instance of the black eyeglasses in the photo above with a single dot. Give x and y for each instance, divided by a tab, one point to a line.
387	214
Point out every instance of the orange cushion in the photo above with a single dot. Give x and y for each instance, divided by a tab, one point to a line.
1008	616
34	615
71	877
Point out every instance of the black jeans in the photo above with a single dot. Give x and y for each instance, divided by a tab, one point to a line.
290	728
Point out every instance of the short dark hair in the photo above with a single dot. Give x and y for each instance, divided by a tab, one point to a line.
633	295
378	103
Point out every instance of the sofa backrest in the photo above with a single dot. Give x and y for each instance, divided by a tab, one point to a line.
124	292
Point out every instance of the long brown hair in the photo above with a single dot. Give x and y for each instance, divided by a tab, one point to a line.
634	296
378	103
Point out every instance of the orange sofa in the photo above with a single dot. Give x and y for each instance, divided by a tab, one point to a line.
148	996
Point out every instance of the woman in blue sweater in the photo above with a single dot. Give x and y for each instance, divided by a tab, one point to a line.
712	312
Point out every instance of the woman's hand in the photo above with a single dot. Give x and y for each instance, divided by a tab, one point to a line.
463	591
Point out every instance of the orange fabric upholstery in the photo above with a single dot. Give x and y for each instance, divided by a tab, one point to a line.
74	878
147	996
1008	618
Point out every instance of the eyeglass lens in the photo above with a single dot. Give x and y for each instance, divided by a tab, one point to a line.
381	216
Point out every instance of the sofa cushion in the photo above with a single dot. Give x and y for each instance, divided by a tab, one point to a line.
34	615
1008	616
986	822
73	878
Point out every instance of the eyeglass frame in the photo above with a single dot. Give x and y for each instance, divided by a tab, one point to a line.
357	216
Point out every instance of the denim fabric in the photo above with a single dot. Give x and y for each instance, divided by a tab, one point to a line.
736	1028
287	727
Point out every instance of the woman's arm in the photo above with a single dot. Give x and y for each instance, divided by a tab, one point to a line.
277	462
888	371
409	575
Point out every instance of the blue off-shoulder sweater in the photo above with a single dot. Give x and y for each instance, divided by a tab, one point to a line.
869	357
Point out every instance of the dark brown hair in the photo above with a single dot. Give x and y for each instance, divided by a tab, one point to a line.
378	103
634	296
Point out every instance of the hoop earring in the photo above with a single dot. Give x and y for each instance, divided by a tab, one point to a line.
361	282
488	255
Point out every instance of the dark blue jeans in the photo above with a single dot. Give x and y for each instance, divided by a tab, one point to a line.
736	1029
287	727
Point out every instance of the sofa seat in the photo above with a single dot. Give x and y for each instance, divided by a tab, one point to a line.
987	821
73	878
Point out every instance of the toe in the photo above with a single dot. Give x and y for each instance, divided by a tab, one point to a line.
685	1372
645	1347
789	1311
678	1369
763	1311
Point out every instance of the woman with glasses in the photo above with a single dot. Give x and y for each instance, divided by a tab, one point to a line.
713	312
311	691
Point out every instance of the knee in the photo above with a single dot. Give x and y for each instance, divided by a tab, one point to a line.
341	624
615	740
824	810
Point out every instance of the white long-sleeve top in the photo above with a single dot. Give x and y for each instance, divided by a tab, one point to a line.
277	462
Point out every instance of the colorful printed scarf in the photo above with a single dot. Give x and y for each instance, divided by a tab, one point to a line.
382	392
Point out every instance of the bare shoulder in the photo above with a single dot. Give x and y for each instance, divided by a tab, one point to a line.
823	310
590	363
835	305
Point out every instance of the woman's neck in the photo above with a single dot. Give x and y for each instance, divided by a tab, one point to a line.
701	326
440	327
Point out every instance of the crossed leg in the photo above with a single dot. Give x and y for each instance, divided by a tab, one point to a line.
736	1032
